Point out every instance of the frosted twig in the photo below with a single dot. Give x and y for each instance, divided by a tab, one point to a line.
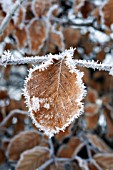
41	59
9	15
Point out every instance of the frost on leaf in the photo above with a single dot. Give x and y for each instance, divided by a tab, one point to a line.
53	94
40	7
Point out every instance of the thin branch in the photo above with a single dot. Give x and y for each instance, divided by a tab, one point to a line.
8	59
9	15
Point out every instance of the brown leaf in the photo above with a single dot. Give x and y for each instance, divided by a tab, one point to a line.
70	149
33	158
37	33
92	95
54	95
105	161
87	8
21	142
21	37
71	37
108	12
98	143
91	121
2	156
40	7
86	43
91	109
55	41
109	120
91	115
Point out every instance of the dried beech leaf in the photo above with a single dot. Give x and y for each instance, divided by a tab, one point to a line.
70	149
87	9
71	37
40	7
33	158
55	41
105	161
108	12
91	121
37	33
91	115
2	156
92	95
21	142
53	92
91	109
98	143
21	37
109	120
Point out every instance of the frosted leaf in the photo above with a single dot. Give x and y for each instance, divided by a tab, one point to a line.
37	32
40	7
53	92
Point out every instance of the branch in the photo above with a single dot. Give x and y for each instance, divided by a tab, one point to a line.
8	59
9	15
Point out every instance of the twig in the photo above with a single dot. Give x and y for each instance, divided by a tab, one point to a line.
39	60
9	15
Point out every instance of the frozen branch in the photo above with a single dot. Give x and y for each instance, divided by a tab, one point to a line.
9	15
8	59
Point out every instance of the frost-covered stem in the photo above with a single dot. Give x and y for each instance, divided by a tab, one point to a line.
9	15
47	163
94	65
8	59
25	60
